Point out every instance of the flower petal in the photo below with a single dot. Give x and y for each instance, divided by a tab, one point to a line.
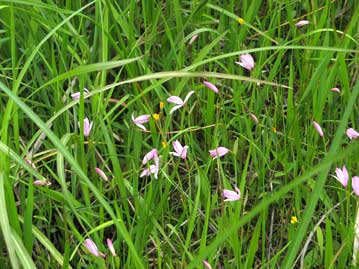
188	96
355	184
318	128
302	23
175	108
211	86
175	100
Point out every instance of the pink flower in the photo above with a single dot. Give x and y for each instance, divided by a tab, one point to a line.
318	128
77	95
335	90
179	150
218	152
91	246
150	155
206	264
87	127
232	195
351	133
152	170
302	23
246	61
211	86
41	182
101	173
355	184
342	175
140	120
110	247
178	101
253	117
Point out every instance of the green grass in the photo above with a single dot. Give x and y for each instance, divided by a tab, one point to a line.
132	56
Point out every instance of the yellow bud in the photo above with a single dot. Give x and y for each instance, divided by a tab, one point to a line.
164	144
162	105
240	20
156	116
274	130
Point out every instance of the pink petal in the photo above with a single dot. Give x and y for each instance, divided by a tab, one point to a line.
246	61
355	184
177	146
188	96
141	119
91	246
342	175
218	152
231	195
318	128
41	182
149	156
211	86
302	23
206	264
110	247
87	127
175	100
184	152
351	133
335	90
77	95
101	173
175	108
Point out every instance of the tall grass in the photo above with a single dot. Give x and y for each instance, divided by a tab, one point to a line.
132	56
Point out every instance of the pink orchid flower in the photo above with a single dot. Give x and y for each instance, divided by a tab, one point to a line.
218	152
153	154
211	86
302	23
91	246
76	95
232	195
87	127
140	120
179	150
318	128
178	101
337	90
153	169
342	175
101	173
246	61
355	184
351	133
110	247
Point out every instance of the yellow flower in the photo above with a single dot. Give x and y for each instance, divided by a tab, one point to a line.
156	116
274	130
162	105
240	20
164	144
293	220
